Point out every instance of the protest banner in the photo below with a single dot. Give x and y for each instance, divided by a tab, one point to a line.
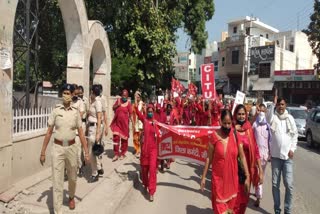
207	81
185	142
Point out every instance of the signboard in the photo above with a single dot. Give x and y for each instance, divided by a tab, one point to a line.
160	100
294	75
185	142
262	54
207	81
238	100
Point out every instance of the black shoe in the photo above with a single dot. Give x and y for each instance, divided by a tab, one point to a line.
94	178
100	171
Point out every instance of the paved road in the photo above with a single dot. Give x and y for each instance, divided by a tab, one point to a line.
178	189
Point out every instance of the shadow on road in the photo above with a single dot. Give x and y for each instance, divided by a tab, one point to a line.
190	209
257	209
206	192
314	149
49	199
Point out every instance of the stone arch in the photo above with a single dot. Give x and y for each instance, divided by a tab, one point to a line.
75	21
99	51
80	45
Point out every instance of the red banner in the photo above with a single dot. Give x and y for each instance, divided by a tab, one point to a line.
185	142
207	81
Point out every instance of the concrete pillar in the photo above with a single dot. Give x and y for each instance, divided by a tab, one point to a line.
7	11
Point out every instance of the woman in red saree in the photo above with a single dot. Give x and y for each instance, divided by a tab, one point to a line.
120	125
247	141
149	150
223	154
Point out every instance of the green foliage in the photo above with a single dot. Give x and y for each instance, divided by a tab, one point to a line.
140	30
313	31
51	48
142	39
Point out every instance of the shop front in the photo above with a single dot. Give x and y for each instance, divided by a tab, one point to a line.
298	86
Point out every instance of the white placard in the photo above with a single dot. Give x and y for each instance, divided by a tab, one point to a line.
175	94
238	100
160	100
5	62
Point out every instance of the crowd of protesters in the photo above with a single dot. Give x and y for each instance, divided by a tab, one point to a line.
238	152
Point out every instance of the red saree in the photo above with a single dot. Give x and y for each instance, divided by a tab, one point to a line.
224	174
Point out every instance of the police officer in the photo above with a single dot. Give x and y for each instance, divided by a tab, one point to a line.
94	130
66	120
104	126
84	119
78	104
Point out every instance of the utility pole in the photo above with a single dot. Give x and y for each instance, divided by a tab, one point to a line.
28	54
246	70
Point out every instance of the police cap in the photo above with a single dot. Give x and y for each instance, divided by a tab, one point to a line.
68	87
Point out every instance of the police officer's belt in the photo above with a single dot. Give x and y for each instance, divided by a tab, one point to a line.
59	142
84	120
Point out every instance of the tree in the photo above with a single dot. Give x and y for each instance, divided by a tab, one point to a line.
313	31
141	30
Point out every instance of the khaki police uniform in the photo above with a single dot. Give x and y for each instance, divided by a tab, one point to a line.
78	104
64	152
94	108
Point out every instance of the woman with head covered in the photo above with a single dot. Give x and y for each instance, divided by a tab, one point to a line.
120	125
149	150
223	153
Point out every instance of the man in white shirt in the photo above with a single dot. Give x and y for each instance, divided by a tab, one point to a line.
282	148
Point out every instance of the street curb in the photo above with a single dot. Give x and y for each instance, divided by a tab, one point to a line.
24	184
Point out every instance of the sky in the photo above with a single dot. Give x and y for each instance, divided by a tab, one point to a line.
280	14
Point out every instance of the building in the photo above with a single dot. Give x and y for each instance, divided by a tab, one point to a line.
185	67
286	64
208	55
256	58
233	52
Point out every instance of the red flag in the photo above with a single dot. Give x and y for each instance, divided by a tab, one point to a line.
180	87
173	84
192	89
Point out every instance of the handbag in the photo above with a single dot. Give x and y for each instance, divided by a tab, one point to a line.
241	174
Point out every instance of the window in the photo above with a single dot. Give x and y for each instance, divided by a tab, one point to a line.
223	60
199	70
189	61
267	36
291	48
248	31
317	117
235	57
264	70
216	66
261	35
235	30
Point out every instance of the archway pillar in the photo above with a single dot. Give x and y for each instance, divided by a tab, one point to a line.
7	11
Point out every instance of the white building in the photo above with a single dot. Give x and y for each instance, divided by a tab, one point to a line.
280	59
233	52
209	55
290	69
185	67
